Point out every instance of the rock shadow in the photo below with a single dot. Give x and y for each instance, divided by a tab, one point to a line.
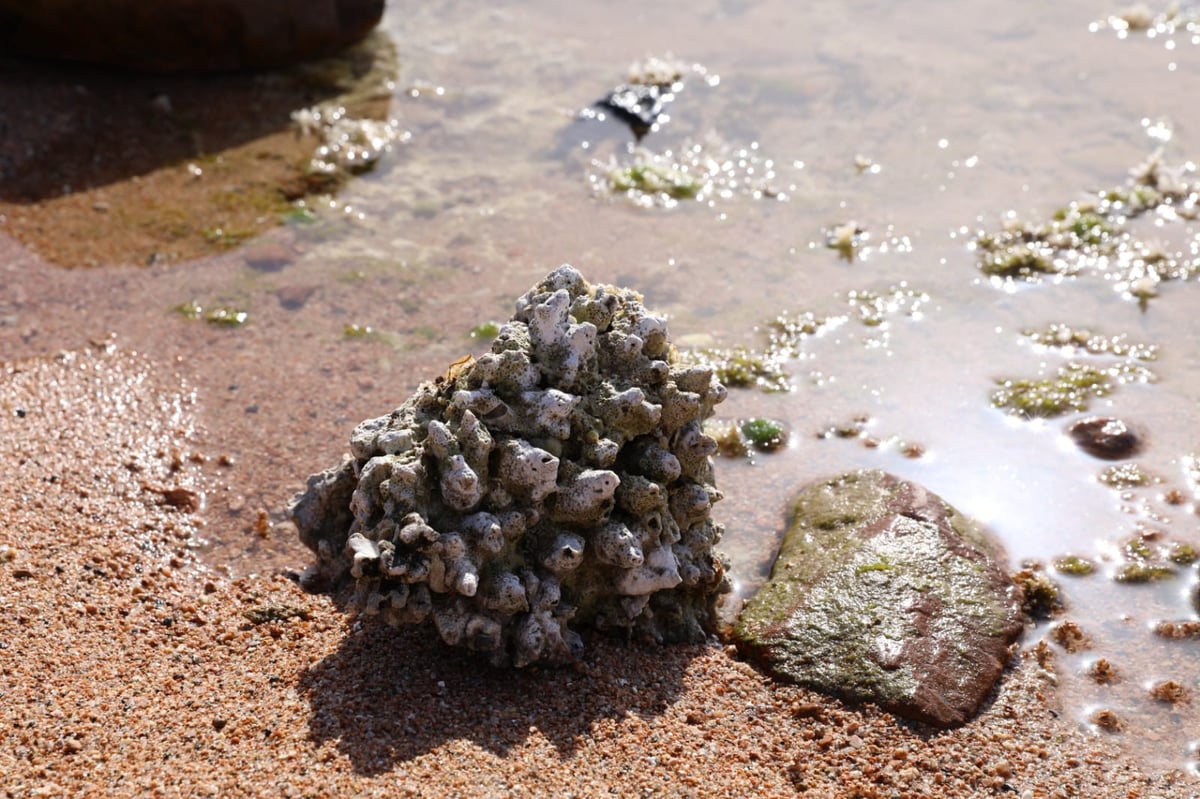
68	127
387	696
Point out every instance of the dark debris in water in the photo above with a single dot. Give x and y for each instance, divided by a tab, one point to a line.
1043	598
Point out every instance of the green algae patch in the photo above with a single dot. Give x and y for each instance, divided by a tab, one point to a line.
485	331
1126	475
705	171
1074	565
1067	340
221	316
766	435
1182	553
765	367
1094	237
882	592
741	439
1140	572
654	178
1072	388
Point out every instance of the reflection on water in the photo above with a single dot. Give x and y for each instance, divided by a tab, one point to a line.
914	126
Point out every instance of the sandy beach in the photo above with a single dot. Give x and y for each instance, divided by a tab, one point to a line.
128	669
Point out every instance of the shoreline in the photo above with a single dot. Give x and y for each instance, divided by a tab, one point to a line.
129	669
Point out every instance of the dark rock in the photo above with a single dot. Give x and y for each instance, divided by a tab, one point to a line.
638	105
184	35
884	593
1105	437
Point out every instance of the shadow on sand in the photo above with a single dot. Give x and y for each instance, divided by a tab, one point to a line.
388	696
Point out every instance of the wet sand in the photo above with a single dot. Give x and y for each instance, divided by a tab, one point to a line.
129	669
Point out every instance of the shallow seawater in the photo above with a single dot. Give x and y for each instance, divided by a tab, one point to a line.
917	127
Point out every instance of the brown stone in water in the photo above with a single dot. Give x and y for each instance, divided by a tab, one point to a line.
1105	437
882	592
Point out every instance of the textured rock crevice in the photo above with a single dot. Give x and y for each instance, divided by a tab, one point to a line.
560	480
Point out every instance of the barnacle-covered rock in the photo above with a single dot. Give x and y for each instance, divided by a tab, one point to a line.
561	480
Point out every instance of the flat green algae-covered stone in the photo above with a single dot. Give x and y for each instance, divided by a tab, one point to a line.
882	592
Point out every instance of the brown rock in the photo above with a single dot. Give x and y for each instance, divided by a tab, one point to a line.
185	35
884	593
1105	437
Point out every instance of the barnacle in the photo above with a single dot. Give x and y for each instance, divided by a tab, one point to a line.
561	480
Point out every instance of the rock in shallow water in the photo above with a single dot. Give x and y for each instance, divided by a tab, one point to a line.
561	480
1105	437
884	593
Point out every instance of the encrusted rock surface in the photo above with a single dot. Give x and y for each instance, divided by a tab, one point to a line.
560	480
884	593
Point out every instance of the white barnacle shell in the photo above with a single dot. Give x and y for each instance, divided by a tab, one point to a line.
696	379
629	413
474	441
526	470
362	440
690	503
549	411
658	572
414	530
364	554
439	440
656	463
693	447
365	500
565	555
486	405
588	498
616	544
640	495
394	442
580	343
462	576
548	321
483	634
653	331
504	593
484	531
679	408
529	639
460	486
602	452
400	489
451	621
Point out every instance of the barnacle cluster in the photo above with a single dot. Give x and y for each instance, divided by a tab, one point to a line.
561	480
